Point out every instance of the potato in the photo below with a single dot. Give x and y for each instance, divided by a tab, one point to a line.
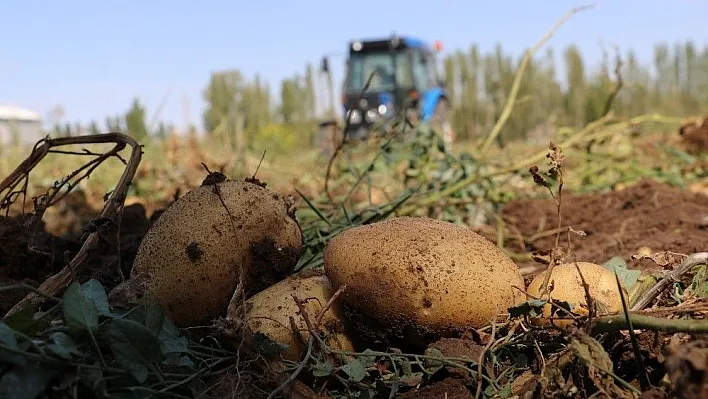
191	258
567	286
413	276
269	312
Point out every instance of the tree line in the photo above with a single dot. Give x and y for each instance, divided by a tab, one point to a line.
675	82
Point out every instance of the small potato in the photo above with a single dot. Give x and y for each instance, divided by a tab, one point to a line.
414	276
193	257
269	312
568	287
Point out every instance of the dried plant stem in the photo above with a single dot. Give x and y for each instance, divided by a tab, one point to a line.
691	261
53	285
590	132
618	322
509	107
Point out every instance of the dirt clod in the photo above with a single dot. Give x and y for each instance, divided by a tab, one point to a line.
270	264
687	368
694	135
194	253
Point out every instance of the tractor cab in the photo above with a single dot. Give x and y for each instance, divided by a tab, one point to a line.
403	77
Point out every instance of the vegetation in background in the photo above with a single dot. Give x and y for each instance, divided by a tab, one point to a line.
674	83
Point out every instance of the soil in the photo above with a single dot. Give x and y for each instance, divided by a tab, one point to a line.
694	136
619	223
29	254
450	388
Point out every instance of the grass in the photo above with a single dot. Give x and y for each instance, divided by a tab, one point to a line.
175	163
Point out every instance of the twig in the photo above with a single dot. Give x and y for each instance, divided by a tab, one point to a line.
690	261
314	328
618	322
480	364
643	378
55	284
619	83
508	108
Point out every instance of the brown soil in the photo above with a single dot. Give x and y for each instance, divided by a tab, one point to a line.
449	388
651	346
29	254
619	223
694	136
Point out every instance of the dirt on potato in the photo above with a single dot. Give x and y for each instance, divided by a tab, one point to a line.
619	223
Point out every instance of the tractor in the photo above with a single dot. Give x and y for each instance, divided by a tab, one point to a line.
402	78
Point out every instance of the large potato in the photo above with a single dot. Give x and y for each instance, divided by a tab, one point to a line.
192	256
568	287
269	312
413	276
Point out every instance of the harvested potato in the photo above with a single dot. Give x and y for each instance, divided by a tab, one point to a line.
269	313
568	287
189	262
413	276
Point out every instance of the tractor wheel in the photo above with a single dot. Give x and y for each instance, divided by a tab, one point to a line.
441	121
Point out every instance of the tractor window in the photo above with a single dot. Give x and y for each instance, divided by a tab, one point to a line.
361	65
423	70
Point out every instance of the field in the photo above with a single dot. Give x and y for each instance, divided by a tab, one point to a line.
403	266
639	197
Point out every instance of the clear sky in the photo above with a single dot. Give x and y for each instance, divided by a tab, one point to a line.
94	56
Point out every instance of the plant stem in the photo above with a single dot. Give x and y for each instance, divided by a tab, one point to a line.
617	322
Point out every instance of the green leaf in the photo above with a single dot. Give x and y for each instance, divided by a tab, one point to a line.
176	359
433	365
154	319
170	339
699	284
134	347
322	369
407	367
627	277
24	321
94	291
8	338
267	346
25	382
94	378
62	345
533	307
368	358
356	370
79	312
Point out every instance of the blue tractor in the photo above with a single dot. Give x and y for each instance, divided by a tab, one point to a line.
403	78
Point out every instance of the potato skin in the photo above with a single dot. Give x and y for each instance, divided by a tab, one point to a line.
429	275
567	286
193	253
269	312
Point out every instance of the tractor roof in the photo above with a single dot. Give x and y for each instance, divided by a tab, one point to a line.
381	43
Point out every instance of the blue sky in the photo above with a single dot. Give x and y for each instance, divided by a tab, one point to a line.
93	57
